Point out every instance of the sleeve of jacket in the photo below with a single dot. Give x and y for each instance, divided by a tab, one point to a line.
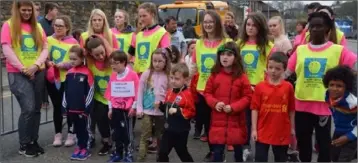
90	92
193	85
188	110
209	92
244	102
136	87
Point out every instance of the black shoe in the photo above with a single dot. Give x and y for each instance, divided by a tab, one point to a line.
105	149
209	157
39	149
28	150
197	134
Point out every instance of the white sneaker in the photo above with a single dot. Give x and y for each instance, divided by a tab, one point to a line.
71	140
246	155
57	140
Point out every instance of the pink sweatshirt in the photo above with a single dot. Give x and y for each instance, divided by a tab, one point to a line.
13	63
320	108
158	85
124	81
164	42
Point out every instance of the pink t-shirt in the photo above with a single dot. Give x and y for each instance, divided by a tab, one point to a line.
116	32
343	39
320	108
13	64
164	42
129	77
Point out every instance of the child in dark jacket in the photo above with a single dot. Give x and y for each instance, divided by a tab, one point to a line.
77	100
343	105
178	108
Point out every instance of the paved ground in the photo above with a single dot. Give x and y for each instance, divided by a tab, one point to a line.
9	143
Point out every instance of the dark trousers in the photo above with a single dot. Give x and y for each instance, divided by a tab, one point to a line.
305	123
262	149
122	131
56	97
219	149
81	125
99	116
203	114
344	153
248	125
178	141
29	95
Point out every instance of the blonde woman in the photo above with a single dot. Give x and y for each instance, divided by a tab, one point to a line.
98	25
277	32
24	45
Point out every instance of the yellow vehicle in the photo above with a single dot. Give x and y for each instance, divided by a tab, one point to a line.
191	10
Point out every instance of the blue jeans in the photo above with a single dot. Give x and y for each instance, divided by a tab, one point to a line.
219	149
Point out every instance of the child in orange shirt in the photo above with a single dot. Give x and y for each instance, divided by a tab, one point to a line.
273	112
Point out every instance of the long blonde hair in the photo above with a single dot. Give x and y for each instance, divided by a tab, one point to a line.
15	24
106	31
282	25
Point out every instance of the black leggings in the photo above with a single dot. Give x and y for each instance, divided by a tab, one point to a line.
203	116
56	98
99	116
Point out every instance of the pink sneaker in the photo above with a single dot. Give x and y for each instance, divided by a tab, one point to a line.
70	141
57	140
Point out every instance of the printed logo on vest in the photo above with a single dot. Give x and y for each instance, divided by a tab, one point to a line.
143	50
101	83
57	54
251	58
207	62
314	67
120	43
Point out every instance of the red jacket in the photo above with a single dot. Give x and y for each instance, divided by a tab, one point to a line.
193	85
228	128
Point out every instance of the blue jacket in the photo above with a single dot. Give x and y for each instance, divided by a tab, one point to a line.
79	90
344	112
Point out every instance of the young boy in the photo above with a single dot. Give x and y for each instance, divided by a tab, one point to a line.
273	112
343	104
178	109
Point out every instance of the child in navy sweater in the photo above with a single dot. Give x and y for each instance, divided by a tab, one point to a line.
343	104
77	100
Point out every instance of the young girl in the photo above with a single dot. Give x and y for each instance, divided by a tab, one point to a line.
277	31
343	105
150	38
153	85
77	101
175	55
228	93
203	60
121	95
255	48
98	50
310	62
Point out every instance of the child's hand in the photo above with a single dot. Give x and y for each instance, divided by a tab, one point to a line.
132	112
172	110
227	109
156	105
254	135
219	106
110	114
139	114
293	132
340	141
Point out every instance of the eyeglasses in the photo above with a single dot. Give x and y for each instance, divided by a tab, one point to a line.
59	26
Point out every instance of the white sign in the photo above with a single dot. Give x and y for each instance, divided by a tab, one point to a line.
122	89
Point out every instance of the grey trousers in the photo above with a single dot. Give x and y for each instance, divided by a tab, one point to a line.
29	94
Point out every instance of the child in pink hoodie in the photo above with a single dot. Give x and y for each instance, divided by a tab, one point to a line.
121	94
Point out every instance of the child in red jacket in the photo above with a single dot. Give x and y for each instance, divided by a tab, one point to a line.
178	109
273	112
228	92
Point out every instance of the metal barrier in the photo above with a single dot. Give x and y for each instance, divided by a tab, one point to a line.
10	109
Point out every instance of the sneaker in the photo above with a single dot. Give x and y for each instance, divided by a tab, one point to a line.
71	140
39	149
292	157
57	142
115	157
209	157
246	155
204	138
230	148
105	149
128	159
196	134
28	150
83	155
75	154
152	149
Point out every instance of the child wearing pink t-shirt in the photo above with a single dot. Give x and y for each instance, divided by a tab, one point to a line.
310	62
121	94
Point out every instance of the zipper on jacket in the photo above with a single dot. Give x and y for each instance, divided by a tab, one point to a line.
227	116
